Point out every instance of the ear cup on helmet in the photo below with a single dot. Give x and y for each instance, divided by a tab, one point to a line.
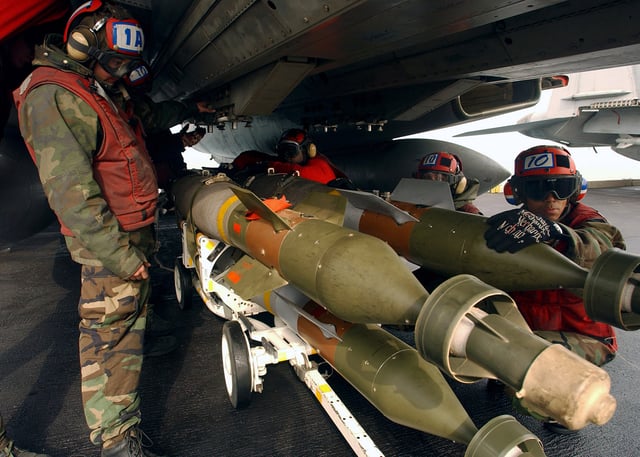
583	189
509	195
462	184
81	40
311	150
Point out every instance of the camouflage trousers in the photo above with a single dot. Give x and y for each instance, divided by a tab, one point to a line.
589	348
112	321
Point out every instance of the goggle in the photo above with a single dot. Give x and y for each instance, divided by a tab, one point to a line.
287	150
437	176
538	189
117	65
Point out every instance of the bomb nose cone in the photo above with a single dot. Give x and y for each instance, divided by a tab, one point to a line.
604	410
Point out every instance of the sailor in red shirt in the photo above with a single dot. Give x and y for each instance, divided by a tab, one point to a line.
442	166
298	153
549	187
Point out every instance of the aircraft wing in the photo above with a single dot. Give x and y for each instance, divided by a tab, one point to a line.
367	71
616	128
523	128
628	146
362	73
593	108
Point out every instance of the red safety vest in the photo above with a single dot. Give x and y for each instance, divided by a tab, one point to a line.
469	208
316	169
559	309
122	166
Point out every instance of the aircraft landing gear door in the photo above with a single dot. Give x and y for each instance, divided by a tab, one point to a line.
236	362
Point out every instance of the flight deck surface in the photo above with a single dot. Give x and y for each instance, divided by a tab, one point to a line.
185	407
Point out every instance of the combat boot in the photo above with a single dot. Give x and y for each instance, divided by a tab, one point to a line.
156	325
11	450
130	446
159	345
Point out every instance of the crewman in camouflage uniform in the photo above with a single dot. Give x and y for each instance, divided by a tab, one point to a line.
549	187
100	182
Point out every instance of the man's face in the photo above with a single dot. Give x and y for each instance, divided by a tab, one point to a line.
434	176
290	151
298	158
103	75
551	207
114	67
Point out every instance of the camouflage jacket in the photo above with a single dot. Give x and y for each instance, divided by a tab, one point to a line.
65	134
589	235
158	117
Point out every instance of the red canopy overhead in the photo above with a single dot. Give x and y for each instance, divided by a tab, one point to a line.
17	16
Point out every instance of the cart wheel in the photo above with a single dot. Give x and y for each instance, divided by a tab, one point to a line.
182	284
236	364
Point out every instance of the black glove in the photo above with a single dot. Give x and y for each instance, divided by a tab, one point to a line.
518	228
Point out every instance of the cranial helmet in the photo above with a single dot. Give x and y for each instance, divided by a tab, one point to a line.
139	78
541	170
442	166
294	141
107	34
